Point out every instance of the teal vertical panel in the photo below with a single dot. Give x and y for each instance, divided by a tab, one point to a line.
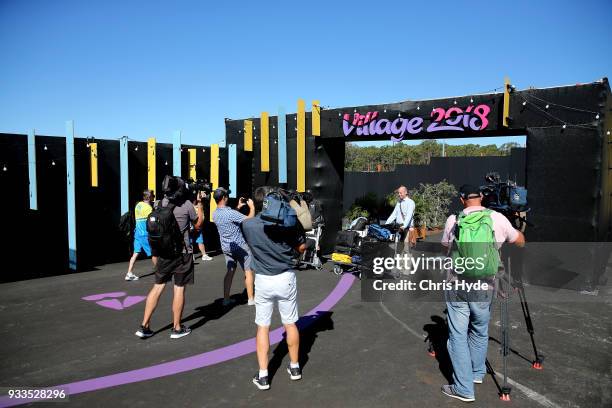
124	175
282	146
233	170
32	169
176	153
71	202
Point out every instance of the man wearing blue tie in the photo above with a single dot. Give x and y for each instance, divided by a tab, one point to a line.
403	214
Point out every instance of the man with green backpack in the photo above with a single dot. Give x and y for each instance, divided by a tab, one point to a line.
474	238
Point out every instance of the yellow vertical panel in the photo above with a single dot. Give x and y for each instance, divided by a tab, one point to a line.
316	118
214	175
248	135
301	146
93	149
192	164
151	164
506	112
265	142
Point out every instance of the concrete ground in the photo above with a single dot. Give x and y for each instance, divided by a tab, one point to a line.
353	353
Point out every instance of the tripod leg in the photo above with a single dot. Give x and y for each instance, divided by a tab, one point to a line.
505	336
539	359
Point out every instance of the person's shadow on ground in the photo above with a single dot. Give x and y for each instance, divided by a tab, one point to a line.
437	336
213	311
308	326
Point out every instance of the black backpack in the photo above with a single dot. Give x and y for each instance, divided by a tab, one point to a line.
165	236
127	224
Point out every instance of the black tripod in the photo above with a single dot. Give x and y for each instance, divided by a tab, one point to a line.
507	283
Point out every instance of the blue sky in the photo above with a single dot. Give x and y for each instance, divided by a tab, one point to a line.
146	68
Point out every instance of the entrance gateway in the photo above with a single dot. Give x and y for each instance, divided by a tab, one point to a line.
569	149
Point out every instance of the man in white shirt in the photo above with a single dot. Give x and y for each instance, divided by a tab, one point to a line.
403	214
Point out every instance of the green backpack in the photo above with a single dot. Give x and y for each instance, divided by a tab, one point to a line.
475	239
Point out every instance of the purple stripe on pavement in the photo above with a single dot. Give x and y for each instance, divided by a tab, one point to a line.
194	362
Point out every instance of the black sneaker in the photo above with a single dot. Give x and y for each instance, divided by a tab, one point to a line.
294	373
449	391
144	332
182	332
261	383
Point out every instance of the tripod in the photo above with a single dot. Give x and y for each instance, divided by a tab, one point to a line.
507	283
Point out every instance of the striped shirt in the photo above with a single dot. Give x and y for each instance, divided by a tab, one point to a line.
228	224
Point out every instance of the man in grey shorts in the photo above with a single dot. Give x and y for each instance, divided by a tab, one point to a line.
274	248
233	245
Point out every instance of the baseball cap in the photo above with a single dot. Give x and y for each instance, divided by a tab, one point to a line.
469	191
219	193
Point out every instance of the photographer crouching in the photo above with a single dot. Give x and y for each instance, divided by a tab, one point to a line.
276	237
168	227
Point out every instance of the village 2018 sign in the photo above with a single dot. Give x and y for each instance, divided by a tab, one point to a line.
453	119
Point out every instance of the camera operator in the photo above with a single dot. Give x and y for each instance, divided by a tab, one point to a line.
469	313
233	245
275	248
178	266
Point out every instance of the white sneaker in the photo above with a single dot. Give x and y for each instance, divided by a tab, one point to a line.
131	277
251	302
205	257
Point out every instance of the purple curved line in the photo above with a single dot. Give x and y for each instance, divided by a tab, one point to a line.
190	363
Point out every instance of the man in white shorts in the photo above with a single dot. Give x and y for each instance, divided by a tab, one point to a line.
274	248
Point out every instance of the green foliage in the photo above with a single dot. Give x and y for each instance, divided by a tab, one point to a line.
391	199
432	202
356	211
368	157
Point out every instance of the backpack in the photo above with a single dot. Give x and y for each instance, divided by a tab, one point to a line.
348	239
127	224
378	232
165	236
278	211
475	239
359	224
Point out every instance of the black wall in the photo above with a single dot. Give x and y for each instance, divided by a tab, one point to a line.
324	166
36	242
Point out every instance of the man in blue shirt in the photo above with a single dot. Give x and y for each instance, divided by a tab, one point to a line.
233	245
403	214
